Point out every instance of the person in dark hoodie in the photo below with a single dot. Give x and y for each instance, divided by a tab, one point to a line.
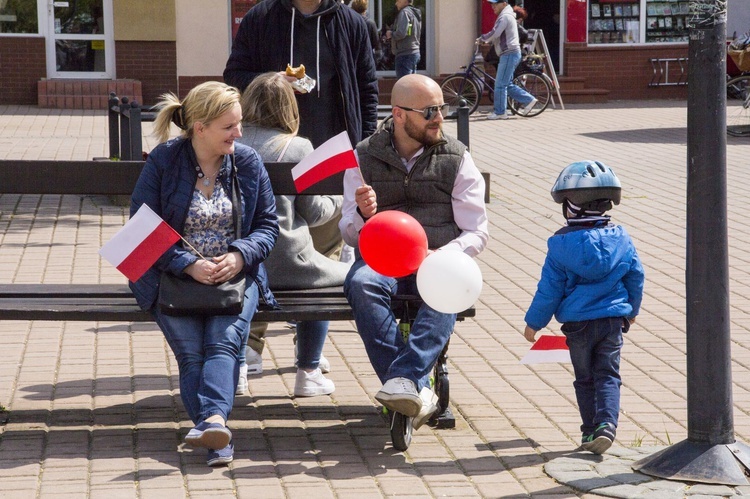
405	37
332	42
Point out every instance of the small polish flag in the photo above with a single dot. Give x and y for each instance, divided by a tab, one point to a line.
332	156
548	348
140	242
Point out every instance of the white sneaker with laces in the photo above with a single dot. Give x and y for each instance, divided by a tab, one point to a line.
429	406
311	384
242	381
254	361
493	116
528	107
400	395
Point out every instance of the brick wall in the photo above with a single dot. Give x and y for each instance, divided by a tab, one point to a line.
153	63
624	71
22	64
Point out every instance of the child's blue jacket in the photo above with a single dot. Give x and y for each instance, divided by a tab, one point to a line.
589	273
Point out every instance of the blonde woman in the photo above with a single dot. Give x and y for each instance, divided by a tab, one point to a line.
187	181
308	231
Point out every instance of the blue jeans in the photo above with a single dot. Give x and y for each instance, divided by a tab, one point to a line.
595	347
311	335
369	293
207	351
406	64
503	83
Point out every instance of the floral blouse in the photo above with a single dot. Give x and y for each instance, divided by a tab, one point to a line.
209	226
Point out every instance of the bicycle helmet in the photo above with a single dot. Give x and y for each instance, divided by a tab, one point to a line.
587	183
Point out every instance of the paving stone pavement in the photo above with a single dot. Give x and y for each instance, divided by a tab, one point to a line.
92	409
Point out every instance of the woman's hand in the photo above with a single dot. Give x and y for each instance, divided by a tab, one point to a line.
201	271
227	266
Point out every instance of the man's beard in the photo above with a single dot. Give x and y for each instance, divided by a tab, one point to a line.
420	134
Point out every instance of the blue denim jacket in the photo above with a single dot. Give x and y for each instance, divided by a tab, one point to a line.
589	273
166	185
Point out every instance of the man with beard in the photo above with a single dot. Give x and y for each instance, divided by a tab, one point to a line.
409	165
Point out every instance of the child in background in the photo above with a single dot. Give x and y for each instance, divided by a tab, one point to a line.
592	281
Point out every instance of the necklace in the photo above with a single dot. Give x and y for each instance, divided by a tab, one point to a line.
206	178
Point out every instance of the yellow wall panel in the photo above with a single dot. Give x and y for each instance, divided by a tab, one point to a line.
145	20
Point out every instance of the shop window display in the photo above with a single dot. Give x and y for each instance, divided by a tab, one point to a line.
666	21
614	21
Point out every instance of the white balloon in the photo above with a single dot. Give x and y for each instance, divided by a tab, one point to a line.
449	281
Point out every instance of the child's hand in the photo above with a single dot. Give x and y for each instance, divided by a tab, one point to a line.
529	334
632	321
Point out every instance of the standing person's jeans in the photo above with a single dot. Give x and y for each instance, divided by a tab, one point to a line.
207	350
503	83
406	64
311	335
595	347
369	293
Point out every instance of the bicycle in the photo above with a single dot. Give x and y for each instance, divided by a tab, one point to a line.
738	105
471	83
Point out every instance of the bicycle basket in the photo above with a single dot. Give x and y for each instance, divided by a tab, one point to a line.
741	58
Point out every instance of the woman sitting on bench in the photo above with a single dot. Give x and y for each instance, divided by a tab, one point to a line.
188	182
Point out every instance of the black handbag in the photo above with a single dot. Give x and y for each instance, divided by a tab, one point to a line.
184	296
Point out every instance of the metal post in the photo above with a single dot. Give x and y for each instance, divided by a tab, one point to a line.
710	454
113	122
125	130
134	132
462	123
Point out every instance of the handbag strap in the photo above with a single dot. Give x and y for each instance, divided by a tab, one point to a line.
283	151
236	201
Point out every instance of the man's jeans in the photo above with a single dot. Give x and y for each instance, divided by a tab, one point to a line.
503	86
595	347
369	293
207	351
406	64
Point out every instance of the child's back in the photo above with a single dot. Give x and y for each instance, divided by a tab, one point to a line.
592	282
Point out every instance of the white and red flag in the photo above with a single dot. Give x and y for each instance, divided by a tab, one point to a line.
332	156
140	242
548	348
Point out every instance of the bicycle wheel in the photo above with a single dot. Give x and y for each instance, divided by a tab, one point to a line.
738	106
459	86
537	85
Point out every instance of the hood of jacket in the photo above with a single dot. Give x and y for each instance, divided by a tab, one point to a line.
327	7
415	11
593	253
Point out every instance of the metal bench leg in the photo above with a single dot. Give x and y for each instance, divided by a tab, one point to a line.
443	418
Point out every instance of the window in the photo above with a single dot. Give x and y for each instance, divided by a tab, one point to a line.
666	21
19	16
614	21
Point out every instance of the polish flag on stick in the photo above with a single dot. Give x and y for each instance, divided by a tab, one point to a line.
140	242
546	349
333	156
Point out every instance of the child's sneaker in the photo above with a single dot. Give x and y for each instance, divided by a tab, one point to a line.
600	440
242	380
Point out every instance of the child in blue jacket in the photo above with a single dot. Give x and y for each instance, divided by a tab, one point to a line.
592	281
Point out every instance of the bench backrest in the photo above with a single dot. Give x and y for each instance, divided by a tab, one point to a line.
119	178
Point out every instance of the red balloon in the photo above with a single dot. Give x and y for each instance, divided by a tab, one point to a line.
393	243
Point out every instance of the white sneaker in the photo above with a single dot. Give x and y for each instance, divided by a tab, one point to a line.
242	381
429	406
528	107
323	364
254	361
312	384
493	116
400	395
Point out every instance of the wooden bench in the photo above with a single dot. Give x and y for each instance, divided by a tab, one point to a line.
115	302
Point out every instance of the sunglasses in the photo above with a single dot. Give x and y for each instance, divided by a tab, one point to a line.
429	112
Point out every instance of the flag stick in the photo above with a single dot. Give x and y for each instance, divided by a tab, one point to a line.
361	176
193	248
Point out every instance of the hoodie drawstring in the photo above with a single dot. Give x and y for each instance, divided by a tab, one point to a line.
317	49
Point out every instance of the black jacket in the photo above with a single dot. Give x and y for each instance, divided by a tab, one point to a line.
264	40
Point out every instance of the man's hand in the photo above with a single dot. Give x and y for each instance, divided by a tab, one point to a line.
366	200
529	334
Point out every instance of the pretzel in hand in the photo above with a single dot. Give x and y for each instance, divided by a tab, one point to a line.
303	83
298	72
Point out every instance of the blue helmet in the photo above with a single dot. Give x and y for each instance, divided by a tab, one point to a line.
584	182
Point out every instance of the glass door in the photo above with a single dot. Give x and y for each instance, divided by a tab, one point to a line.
384	14
80	42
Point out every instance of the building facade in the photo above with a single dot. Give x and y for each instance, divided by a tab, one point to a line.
71	54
